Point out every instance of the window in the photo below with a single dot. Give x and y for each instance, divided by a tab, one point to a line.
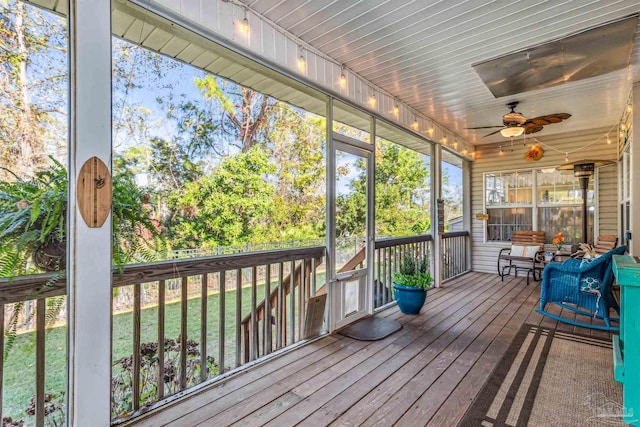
560	205
508	198
557	205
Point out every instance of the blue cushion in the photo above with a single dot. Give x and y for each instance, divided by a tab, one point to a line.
590	284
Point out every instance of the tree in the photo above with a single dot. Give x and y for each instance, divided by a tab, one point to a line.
245	112
33	83
230	206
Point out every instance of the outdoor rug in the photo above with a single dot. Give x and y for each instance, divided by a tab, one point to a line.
550	378
371	329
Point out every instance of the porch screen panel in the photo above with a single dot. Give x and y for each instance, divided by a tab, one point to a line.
34	114
452	192
403	184
224	160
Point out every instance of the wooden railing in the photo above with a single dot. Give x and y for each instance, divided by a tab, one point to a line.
16	299
306	287
210	296
388	255
454	254
224	311
257	341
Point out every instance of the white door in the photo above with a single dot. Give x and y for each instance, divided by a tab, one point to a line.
351	295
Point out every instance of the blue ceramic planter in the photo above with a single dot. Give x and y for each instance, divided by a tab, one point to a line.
410	300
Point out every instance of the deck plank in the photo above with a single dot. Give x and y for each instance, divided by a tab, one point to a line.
229	406
429	402
456	404
409	382
355	394
428	373
283	390
378	365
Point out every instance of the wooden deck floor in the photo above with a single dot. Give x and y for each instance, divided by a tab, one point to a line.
427	373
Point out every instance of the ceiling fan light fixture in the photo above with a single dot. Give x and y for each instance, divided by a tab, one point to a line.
512	131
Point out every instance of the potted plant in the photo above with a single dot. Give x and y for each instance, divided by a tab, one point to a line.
33	216
411	282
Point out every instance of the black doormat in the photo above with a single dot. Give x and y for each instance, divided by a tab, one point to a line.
371	329
550	378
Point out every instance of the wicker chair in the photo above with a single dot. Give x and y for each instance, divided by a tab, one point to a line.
567	285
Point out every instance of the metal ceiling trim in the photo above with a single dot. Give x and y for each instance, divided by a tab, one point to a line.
589	53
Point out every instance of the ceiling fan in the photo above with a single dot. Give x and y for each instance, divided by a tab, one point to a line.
515	124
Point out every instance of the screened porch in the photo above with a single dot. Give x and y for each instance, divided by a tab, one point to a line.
197	198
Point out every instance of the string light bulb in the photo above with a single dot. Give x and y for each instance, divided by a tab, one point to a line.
566	157
431	130
372	99
244	26
473	155
396	109
629	108
343	78
465	151
455	145
302	62
501	152
608	140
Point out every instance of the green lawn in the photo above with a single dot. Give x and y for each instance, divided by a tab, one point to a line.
19	374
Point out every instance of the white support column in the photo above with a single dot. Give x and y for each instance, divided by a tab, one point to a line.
436	191
330	217
89	264
466	206
371	217
634	245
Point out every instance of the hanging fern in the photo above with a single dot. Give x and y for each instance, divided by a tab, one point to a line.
33	215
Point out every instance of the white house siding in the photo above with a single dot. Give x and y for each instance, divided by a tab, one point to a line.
488	159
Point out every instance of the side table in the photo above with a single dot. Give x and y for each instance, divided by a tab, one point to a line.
626	346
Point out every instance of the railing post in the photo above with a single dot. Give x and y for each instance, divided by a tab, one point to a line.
40	361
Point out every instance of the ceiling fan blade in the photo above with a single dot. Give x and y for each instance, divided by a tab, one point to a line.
548	119
532	129
539	121
486	127
492	133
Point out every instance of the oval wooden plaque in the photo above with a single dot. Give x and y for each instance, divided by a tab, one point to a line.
94	192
